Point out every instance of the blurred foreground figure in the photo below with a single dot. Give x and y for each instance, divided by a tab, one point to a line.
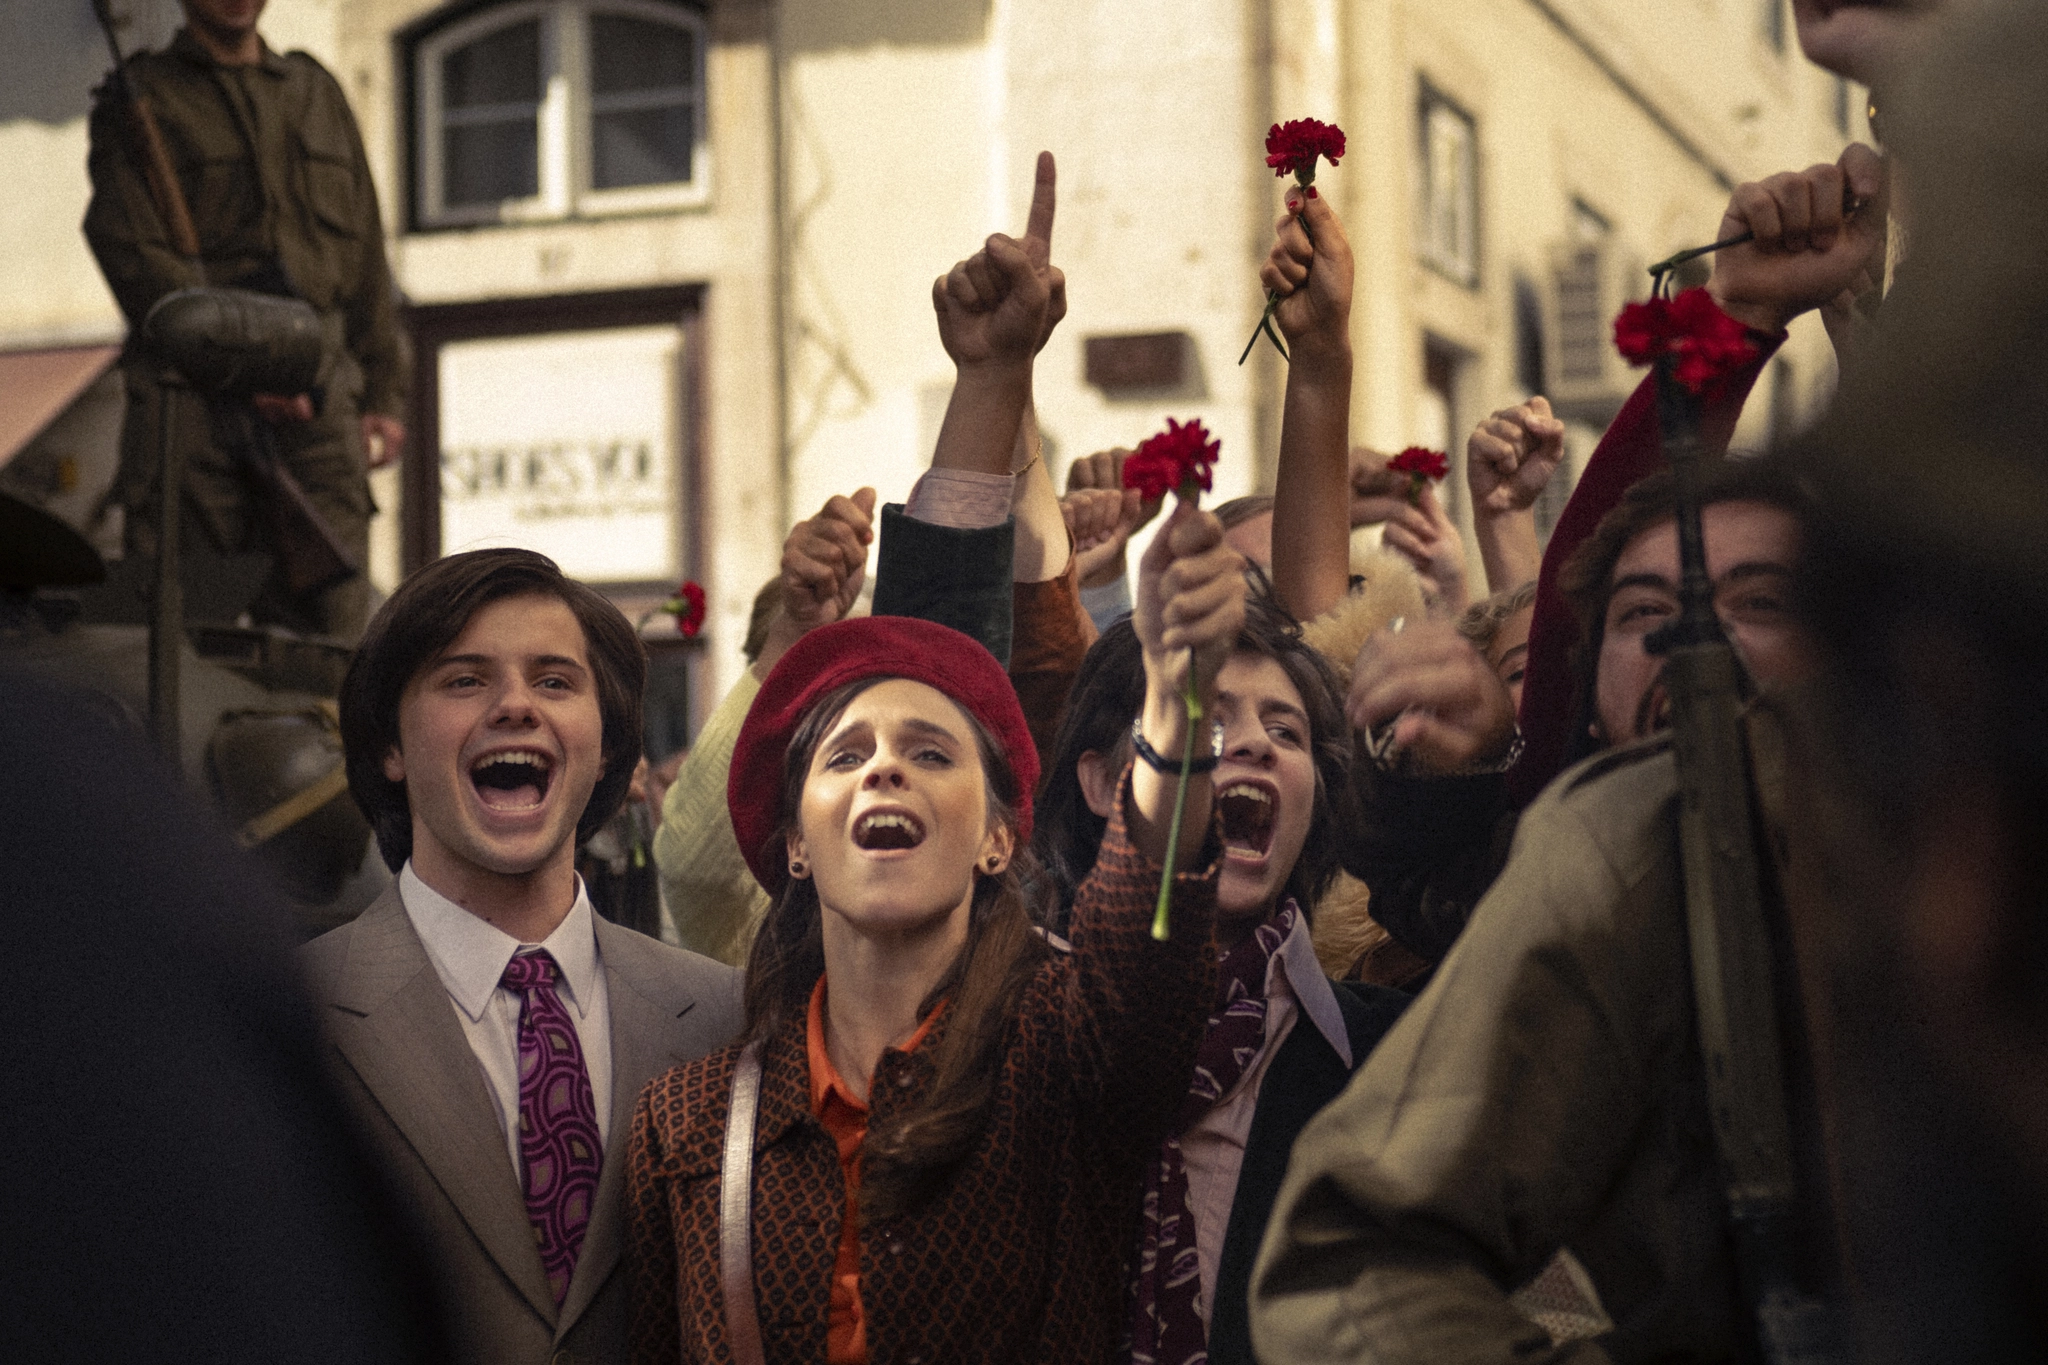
175	1175
1917	787
1920	904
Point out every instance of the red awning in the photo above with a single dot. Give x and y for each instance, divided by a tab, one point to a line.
35	386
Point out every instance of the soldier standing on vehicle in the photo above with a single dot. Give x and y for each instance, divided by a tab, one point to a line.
265	159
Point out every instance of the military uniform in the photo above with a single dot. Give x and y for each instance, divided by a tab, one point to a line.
273	170
1545	1092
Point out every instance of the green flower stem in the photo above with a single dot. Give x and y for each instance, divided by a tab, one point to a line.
1266	329
1190	493
1160	925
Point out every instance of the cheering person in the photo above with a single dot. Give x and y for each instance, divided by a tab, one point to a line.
953	1116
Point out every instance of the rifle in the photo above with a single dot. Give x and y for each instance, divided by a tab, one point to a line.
164	188
231	343
309	554
1728	929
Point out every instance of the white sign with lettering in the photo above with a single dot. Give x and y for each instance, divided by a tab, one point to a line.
566	443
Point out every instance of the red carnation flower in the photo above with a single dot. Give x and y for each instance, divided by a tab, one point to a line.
1423	467
687	606
1176	460
1705	342
1292	147
1422	462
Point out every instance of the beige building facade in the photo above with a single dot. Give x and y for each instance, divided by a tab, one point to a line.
668	265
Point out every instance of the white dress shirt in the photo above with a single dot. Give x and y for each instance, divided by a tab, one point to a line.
470	957
1214	1147
964	499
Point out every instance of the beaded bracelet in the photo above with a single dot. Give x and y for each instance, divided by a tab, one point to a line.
1168	766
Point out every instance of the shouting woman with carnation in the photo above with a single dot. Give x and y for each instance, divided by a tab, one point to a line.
953	1116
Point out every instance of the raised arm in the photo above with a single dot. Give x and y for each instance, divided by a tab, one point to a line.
1425	534
972	528
995	310
711	895
1190	606
1805	255
1132	1008
1509	460
1105	570
1312	487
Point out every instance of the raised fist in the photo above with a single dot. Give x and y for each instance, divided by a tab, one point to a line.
825	560
1511	456
1809	250
1312	277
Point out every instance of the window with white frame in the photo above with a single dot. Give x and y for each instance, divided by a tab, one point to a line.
539	109
1448	233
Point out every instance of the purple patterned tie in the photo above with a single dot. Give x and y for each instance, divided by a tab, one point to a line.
558	1140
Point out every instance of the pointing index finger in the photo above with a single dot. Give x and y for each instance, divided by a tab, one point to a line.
1038	227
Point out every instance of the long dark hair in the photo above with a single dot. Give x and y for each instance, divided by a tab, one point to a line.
904	1164
1108	692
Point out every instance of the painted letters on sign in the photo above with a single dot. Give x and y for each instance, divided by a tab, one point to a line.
566	443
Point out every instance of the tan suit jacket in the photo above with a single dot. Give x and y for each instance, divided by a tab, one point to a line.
1544	1092
419	1094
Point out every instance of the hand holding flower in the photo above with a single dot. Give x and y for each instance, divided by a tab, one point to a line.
1190	598
1189	608
1426	536
1293	148
1310	269
1423	467
1815	234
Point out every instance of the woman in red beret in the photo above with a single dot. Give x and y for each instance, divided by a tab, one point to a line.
950	1117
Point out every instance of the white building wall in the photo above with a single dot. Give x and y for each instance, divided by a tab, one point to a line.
908	132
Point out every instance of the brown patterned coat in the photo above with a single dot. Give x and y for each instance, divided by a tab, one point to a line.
1021	1257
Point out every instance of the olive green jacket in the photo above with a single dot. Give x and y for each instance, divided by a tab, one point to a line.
1545	1091
274	174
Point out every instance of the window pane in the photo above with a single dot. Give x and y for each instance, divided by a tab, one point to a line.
567	443
1449	203
633	54
484	163
641	147
502	67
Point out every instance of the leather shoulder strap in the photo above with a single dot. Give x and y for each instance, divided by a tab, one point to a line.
735	1212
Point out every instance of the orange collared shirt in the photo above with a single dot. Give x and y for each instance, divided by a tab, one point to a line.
846	1119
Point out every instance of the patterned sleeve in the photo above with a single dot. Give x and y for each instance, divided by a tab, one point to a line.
650	1244
1134	1008
1052	638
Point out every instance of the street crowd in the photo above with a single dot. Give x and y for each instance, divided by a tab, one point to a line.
1244	948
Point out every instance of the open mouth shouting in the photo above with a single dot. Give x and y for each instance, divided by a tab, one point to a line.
885	830
1246	810
512	780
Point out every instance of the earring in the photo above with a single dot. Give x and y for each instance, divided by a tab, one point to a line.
992	863
796	868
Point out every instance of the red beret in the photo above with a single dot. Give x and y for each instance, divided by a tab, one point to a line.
849	651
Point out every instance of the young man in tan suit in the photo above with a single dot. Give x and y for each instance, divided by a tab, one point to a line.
491	1031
